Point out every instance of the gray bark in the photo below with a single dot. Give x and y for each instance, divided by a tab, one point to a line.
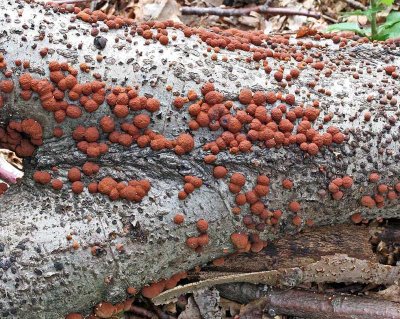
41	276
314	305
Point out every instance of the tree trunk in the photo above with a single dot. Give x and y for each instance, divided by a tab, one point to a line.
43	276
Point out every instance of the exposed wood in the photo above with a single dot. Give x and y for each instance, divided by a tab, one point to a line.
294	250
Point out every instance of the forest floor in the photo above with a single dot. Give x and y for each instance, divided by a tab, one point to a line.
331	12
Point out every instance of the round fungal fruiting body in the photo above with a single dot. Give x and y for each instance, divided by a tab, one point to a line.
179	219
278	76
107	124
287	184
296	220
106	185
347	182
202	225
74	174
356	218
374	177
203	240
131	290
219	261
184	144
220	172
164	40
245	96
192	242
77	187
294	206
240	199
92	187
57	184
238	179
188	188
153	290
263	180
368	201
141	121
383	188
182	195
239	240
90	168
333	188
337	195
41	177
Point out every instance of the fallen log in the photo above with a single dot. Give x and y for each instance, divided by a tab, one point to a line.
310	124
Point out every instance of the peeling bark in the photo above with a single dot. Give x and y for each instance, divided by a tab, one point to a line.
42	276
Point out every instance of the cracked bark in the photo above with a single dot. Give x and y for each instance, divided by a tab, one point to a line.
43	277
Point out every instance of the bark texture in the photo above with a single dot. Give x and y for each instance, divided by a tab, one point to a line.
42	276
314	305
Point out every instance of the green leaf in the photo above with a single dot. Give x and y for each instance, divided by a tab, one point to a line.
367	12
391	32
380	37
346	26
386	2
393	17
354	13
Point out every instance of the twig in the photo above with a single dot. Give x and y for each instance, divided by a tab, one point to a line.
313	305
328	18
68	1
337	268
142	311
246	11
356	4
161	314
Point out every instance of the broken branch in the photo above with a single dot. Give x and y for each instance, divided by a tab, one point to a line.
317	305
246	11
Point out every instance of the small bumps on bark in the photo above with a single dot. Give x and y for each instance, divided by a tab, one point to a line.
100	42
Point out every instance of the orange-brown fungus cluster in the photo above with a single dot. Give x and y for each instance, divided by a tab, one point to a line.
383	192
131	191
337	184
197	242
158	287
246	243
191	183
285	124
22	136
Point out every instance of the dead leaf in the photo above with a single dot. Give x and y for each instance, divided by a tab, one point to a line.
232	307
191	311
208	302
161	10
252	20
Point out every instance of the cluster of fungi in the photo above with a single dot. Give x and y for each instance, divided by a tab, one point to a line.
257	120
